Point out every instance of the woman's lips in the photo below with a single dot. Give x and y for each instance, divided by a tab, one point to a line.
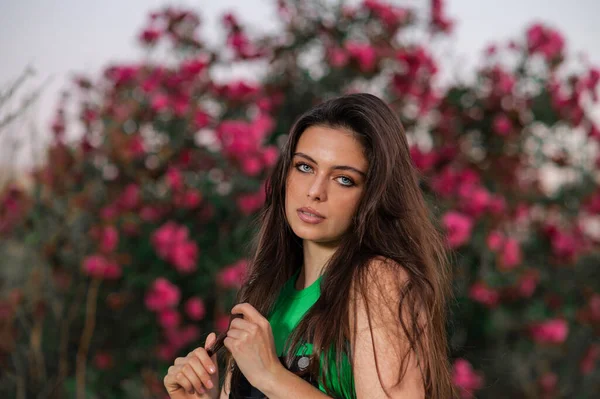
309	218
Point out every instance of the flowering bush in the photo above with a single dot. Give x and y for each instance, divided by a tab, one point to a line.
135	237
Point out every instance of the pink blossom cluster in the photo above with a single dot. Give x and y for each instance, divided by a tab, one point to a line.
12	206
242	141
238	40
391	15
163	297
507	248
177	24
466	379
172	243
480	292
99	266
127	200
183	197
251	202
567	243
439	20
546	41
233	276
568	99
414	76
553	331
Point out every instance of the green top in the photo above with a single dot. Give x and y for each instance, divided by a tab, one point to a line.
290	306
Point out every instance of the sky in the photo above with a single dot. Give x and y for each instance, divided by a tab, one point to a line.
86	36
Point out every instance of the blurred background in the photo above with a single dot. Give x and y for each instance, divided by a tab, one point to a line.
135	138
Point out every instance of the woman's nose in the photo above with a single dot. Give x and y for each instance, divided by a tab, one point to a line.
318	190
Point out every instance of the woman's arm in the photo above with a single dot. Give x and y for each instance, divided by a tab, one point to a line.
378	340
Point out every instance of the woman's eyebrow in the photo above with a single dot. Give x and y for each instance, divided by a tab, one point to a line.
340	167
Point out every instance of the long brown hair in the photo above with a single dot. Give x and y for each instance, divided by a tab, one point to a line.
392	222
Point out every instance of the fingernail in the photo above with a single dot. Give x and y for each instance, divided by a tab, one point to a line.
211	369
209	384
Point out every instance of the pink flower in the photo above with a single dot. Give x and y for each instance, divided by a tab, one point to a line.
122	74
423	160
527	283
496	205
109	212
270	155
181	103
222	323
109	239
390	15
553	331
195	66
465	378
150	213
112	271
174	179
150	36
251	166
495	240
233	276
136	146
166	352
588	362
162	295
166	236
481	293
238	91
511	255
171	243
546	41
194	307
159	102
337	57
548	382
249	203
502	125
191	199
439	21
130	197
169	318
201	119
103	360
475	199
458	227
184	256
99	267
564	245
363	53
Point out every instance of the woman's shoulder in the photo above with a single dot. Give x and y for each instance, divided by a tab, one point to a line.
381	269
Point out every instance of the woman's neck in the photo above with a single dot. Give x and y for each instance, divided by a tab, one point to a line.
316	256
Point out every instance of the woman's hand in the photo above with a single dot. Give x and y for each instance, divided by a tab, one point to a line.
250	341
194	376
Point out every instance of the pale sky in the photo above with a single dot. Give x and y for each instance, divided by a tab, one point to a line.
86	36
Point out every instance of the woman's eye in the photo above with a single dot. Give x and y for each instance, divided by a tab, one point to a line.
346	181
303	167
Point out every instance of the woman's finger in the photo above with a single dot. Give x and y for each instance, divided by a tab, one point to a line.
207	362
190	373
183	381
201	372
237	333
179	361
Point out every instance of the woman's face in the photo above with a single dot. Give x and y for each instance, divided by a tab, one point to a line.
327	174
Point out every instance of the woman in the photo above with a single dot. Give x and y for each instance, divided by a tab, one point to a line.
347	258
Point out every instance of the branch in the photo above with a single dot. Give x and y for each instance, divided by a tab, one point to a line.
86	337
